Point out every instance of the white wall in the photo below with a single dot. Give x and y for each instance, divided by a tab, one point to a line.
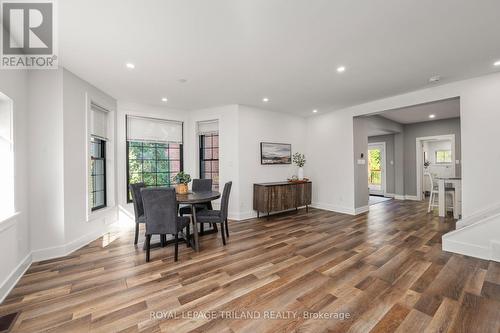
329	148
256	126
46	164
14	231
77	94
229	166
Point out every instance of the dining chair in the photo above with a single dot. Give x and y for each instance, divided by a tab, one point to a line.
218	216
160	211
199	185
135	189
435	193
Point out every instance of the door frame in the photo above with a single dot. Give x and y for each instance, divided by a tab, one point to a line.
420	163
383	165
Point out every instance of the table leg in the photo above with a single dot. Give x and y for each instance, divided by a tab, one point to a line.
442	198
195	229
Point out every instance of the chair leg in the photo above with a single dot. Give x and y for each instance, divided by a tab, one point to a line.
148	246
227	228
136	239
214	225
176	247
430	202
188	236
202	228
223	235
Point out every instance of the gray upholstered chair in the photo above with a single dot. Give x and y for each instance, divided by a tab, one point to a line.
218	216
199	185
135	189
160	211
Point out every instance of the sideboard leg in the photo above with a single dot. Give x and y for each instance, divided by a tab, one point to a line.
307	209
258	214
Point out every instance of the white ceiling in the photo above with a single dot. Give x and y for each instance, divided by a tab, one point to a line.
238	51
445	109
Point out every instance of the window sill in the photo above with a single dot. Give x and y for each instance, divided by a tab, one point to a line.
8	221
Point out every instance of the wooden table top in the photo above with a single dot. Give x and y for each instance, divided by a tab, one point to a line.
197	197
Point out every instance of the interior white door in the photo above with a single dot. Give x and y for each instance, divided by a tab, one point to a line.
376	168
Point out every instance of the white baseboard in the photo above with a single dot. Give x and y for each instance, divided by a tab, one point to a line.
482	252
10	282
68	248
399	197
361	210
389	195
333	208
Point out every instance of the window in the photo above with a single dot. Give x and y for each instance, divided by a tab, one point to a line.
97	183
98	137
443	156
153	163
209	158
154	151
7	158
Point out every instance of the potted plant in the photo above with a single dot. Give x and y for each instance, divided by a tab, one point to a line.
299	160
182	180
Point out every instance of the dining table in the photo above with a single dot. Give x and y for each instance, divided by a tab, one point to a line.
456	182
193	198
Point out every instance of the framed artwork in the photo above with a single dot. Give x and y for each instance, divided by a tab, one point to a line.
275	153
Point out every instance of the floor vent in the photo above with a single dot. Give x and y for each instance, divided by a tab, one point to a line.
7	321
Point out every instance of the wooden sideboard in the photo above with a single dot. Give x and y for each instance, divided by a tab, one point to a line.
281	196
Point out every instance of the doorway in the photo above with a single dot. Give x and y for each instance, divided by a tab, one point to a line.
436	156
376	168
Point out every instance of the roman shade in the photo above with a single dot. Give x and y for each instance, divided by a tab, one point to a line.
208	127
153	130
98	122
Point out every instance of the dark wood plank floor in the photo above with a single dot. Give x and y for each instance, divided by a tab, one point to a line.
384	269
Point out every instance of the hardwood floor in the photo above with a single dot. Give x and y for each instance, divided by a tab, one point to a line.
384	270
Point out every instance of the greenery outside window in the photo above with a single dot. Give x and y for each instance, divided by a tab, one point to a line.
153	163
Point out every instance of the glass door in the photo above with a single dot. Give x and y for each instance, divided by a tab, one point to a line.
376	165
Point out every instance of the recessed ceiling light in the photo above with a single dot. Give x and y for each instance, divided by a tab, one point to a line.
130	65
497	63
432	116
315	111
265	100
164	99
341	69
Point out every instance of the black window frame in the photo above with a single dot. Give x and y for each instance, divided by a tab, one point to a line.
171	174
202	158
102	144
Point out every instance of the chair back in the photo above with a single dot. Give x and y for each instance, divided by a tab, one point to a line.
160	210
224	205
201	185
135	189
431	180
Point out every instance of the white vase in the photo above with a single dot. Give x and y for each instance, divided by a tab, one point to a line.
301	173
